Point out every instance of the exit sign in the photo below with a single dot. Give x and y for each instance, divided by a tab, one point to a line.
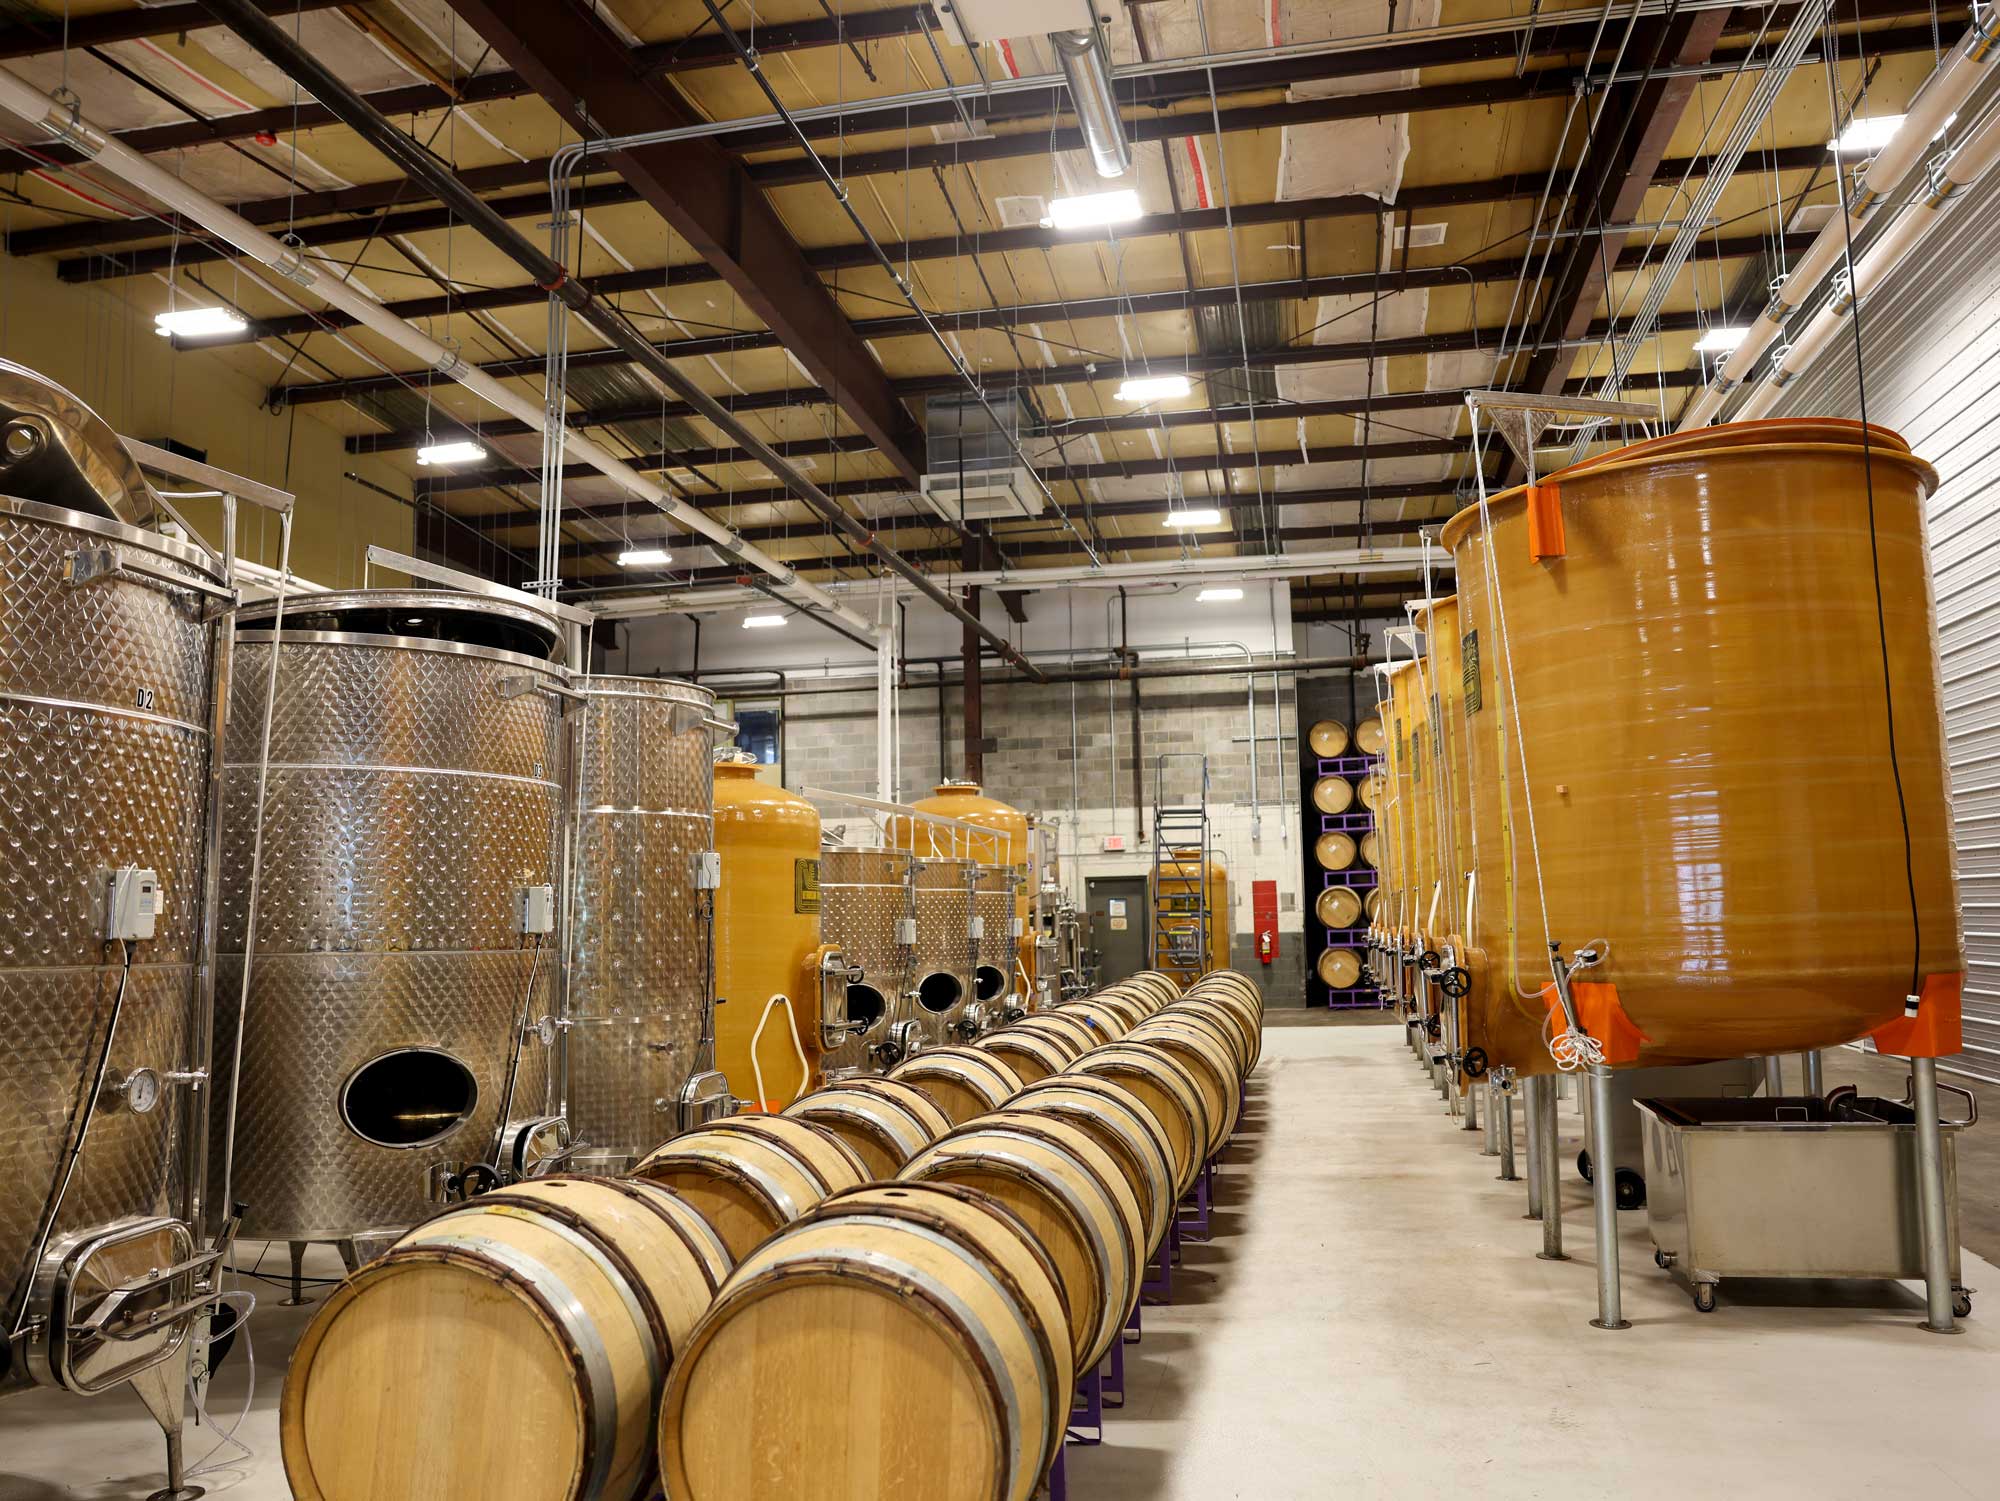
1113	843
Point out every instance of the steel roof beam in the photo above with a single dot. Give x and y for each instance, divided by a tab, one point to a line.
588	77
1540	83
1362	283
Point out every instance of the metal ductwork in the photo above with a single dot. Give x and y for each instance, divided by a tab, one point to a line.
1086	66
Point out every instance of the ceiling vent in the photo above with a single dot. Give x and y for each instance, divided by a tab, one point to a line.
1420	236
973	469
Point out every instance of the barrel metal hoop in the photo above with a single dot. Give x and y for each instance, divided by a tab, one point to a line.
1026	1169
1047	1355
755	1176
881	1125
600	1383
694	1232
618	1270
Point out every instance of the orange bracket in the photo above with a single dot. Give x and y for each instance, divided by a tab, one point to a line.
1602	1015
1935	1028
1545	522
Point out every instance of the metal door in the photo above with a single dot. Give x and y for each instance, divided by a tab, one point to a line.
1117	925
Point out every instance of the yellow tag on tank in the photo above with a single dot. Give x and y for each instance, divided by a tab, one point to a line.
805	885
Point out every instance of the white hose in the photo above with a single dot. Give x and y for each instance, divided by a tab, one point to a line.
791	1030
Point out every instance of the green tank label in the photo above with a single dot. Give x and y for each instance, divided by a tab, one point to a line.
1468	649
805	885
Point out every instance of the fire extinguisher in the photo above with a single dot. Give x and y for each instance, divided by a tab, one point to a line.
1267	945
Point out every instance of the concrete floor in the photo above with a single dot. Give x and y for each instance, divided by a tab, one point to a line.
1370	1320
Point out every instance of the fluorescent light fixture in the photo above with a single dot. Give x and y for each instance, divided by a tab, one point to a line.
1090	210
762	622
1720	340
644	557
1154	387
1193	518
450	453
198	323
1865	137
1217	596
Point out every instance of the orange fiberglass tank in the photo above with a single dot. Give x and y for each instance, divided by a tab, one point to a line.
966	801
766	935
1685	639
1442	797
1379	847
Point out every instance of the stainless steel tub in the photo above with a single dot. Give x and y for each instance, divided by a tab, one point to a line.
1789	1187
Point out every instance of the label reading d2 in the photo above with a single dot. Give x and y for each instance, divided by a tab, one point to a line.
805	885
1468	654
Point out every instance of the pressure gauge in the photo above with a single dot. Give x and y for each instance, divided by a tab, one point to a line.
138	1091
545	1029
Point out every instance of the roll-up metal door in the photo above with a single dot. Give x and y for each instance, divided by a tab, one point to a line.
1932	366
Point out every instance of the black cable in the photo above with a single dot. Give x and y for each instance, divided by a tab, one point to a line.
1874	543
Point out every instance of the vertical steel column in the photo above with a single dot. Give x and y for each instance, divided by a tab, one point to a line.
1774	1076
1470	1102
1531	1102
1815	1075
973	692
1552	1203
1506	1133
1604	1201
1938	1317
1490	1145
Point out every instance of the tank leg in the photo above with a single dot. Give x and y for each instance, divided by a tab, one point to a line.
1552	1204
298	1299
1774	1077
1531	1102
1506	1134
1489	1145
1939	1316
1470	1105
1604	1202
163	1388
1815	1076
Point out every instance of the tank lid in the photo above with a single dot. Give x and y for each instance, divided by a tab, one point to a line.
520	626
56	450
955	785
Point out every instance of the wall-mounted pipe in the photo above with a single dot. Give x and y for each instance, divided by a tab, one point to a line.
1108	672
249	22
1964	68
1087	70
1890	248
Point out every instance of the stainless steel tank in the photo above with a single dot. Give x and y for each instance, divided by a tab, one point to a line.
941	967
865	912
640	1039
994	951
112	656
406	912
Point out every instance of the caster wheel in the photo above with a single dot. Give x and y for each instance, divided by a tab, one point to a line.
1583	1166
1961	1305
1660	1259
1630	1189
1704	1297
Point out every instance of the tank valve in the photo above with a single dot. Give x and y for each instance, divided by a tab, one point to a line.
1433	1026
1474	1063
1456	982
1428	961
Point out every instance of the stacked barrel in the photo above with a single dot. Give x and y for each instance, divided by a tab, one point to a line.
891	1289
1348	789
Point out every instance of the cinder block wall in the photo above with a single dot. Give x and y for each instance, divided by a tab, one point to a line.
1081	774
